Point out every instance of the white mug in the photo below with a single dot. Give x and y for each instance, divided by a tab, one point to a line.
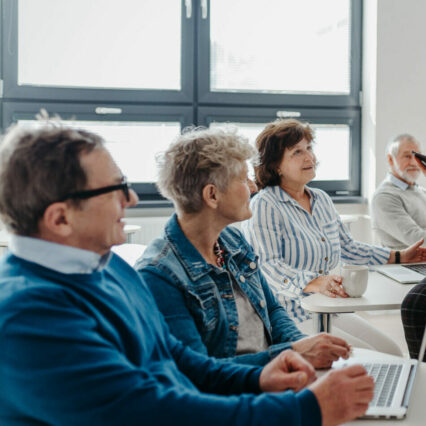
355	279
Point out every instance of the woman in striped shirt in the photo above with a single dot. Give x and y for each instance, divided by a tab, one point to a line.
299	237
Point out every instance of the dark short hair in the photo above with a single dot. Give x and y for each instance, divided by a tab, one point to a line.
274	139
39	166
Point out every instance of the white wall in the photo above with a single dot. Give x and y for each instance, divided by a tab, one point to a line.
394	83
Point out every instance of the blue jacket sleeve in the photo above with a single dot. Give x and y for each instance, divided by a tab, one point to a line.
214	375
56	368
284	330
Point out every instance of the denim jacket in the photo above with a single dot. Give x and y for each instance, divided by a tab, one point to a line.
197	300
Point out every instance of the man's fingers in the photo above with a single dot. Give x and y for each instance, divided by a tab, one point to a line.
337	340
355	370
295	381
364	384
339	351
360	409
296	363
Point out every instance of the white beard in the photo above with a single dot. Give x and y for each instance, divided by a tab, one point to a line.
406	176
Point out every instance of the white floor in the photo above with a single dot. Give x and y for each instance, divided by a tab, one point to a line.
389	322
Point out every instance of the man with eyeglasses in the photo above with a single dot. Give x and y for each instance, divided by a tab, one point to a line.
81	339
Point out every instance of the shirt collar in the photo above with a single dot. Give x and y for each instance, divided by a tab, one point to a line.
399	183
285	197
59	257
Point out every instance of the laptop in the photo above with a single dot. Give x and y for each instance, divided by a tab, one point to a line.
394	381
405	274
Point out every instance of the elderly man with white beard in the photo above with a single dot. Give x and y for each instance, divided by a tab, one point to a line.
399	204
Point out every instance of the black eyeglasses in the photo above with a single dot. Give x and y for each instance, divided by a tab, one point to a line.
89	193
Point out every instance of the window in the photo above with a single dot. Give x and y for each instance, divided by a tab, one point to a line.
138	72
87	40
253	56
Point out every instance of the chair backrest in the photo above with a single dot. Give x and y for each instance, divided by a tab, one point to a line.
129	252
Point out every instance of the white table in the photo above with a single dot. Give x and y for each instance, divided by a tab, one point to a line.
382	293
416	415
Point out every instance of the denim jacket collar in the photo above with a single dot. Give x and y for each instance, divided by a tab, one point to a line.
191	259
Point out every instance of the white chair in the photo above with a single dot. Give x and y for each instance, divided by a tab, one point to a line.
129	252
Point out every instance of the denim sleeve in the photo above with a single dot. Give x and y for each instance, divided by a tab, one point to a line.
171	303
284	330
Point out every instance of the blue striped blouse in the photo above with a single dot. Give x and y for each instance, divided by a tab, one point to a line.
294	247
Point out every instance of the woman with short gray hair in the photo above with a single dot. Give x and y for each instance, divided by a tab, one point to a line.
198	158
203	274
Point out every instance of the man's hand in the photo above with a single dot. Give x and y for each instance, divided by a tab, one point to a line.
321	350
287	371
344	394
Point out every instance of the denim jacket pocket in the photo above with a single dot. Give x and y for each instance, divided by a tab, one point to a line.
203	304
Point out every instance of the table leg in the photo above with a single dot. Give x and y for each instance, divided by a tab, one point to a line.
322	322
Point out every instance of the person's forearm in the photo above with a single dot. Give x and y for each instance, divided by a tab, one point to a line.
391	257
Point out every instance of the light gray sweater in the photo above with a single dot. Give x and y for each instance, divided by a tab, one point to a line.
398	212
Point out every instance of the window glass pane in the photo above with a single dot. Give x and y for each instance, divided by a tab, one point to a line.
332	150
100	43
331	143
280	46
133	145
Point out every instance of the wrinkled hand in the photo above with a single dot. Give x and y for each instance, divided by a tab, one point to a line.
321	350
344	394
329	285
414	253
286	371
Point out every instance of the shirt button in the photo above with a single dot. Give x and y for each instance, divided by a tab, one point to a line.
233	328
285	280
326	259
242	279
320	271
262	303
322	239
252	265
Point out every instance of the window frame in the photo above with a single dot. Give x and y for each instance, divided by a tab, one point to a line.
147	192
350	118
12	90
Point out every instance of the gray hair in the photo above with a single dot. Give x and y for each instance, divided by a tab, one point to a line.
39	166
392	147
199	157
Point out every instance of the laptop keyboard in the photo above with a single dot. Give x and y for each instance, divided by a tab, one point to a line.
421	269
386	378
